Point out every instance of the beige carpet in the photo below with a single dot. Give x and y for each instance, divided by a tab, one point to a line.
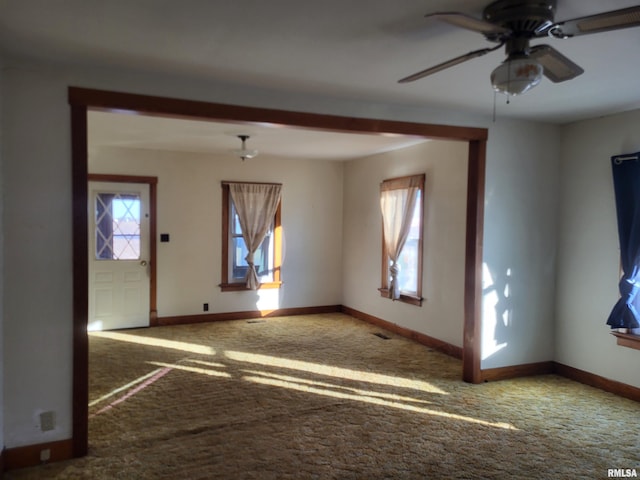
323	397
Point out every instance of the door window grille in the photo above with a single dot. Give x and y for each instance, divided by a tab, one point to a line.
117	226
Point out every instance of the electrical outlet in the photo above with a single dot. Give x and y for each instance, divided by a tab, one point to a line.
45	455
205	307
47	421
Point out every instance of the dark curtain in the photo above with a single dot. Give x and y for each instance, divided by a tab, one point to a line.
626	183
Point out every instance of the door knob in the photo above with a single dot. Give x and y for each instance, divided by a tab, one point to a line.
143	263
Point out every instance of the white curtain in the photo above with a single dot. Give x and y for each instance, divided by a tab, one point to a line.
397	201
256	205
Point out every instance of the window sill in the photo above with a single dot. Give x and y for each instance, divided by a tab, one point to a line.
627	340
410	299
241	287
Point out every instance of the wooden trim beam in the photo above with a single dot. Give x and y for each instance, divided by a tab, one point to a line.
108	177
79	187
473	262
29	456
593	380
515	371
153	253
545	368
246	315
179	108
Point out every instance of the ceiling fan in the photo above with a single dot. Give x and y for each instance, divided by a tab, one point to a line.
513	24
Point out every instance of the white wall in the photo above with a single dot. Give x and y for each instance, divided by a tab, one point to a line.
445	165
589	260
37	252
189	209
37	256
521	202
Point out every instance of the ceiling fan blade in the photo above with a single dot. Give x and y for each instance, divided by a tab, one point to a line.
447	64
468	22
557	67
613	20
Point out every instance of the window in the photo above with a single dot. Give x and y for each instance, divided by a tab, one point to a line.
401	201
625	315
263	258
267	258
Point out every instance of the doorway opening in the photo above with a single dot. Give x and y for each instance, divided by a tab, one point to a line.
82	100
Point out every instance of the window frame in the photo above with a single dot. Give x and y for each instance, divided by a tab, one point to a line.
416	299
227	286
626	339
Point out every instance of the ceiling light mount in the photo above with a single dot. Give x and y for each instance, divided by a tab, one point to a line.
244	152
519	73
516	75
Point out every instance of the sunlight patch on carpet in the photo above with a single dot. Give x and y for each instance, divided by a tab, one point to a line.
156	342
375	401
124	387
187	368
206	364
358	391
331	371
158	375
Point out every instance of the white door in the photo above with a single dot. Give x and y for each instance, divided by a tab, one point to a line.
118	255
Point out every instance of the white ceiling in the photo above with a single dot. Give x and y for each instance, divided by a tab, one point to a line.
351	49
157	133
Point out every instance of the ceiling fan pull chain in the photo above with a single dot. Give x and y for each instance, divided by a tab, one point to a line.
494	106
508	79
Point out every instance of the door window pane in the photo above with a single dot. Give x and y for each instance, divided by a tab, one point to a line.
117	226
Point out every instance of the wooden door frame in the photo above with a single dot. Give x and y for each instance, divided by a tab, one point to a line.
152	182
81	100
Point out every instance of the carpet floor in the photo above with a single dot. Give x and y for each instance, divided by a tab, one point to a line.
325	397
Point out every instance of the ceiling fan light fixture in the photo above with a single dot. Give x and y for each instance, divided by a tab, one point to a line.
243	152
516	76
